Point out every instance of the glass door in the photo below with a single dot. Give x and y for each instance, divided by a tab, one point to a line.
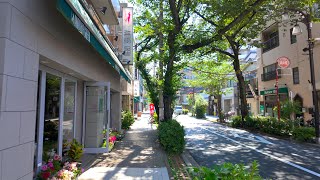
96	117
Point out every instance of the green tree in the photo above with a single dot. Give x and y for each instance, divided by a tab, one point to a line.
225	28
213	77
175	15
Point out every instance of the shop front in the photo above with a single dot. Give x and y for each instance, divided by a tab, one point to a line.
59	81
267	107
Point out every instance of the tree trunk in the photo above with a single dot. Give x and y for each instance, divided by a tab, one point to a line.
242	89
167	101
219	107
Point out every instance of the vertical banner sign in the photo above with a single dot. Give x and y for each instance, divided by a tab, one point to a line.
127	36
136	85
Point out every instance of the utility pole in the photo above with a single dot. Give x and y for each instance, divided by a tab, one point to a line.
161	110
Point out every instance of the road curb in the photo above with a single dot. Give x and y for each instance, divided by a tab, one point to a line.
188	159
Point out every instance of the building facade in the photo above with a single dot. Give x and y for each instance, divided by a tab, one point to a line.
60	78
294	81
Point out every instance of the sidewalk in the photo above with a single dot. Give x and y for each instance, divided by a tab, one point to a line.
137	156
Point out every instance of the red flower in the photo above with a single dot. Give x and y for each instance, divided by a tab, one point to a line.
112	139
46	175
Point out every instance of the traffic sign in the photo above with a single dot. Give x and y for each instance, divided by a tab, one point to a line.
283	62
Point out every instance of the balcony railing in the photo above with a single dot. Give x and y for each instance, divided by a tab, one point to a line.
270	44
270	75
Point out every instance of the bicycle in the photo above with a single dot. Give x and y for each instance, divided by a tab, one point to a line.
151	119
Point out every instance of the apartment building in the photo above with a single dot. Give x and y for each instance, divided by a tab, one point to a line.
294	81
60	78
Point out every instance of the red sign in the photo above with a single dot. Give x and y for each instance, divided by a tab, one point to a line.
151	107
283	62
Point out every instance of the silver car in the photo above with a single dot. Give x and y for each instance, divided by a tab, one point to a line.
178	110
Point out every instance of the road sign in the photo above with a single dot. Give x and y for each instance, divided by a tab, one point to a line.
283	62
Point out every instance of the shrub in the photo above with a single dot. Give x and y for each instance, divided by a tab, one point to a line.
156	118
303	133
127	119
171	136
200	107
75	152
185	111
236	121
227	171
268	125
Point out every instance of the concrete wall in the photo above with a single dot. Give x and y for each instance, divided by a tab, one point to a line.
298	58
28	29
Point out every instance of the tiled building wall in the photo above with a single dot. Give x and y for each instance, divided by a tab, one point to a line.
31	30
18	92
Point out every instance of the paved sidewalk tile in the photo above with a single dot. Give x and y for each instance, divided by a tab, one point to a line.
113	173
138	156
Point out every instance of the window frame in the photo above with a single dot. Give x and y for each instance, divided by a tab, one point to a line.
293	38
295	75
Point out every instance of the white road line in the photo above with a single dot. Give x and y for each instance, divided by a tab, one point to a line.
264	153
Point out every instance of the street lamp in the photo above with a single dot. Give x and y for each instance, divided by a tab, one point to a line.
306	19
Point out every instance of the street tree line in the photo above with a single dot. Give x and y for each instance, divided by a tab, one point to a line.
207	35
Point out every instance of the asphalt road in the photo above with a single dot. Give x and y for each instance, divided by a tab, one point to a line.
211	143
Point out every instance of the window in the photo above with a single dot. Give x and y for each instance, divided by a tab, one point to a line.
269	72
295	72
270	68
271	40
293	38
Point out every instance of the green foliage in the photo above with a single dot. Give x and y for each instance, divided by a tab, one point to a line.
185	111
127	119
227	171
304	133
171	136
201	107
288	107
156	118
269	125
75	151
236	121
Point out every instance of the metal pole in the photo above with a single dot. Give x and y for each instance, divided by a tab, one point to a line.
277	92
313	83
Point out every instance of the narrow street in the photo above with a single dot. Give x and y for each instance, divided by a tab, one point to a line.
211	143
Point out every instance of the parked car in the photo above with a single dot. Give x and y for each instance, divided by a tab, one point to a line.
178	110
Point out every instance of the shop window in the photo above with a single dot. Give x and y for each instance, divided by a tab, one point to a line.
293	38
51	116
69	111
295	72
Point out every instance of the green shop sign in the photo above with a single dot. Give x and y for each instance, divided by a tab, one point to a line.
261	108
136	99
283	90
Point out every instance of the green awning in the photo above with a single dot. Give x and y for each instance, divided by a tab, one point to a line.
91	33
282	90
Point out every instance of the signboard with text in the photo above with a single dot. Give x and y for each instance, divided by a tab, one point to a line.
283	62
127	36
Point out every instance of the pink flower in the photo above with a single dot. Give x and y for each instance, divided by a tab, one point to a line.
60	173
50	165
56	157
73	165
82	170
44	167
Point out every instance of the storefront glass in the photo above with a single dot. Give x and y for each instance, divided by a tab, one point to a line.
51	115
69	111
